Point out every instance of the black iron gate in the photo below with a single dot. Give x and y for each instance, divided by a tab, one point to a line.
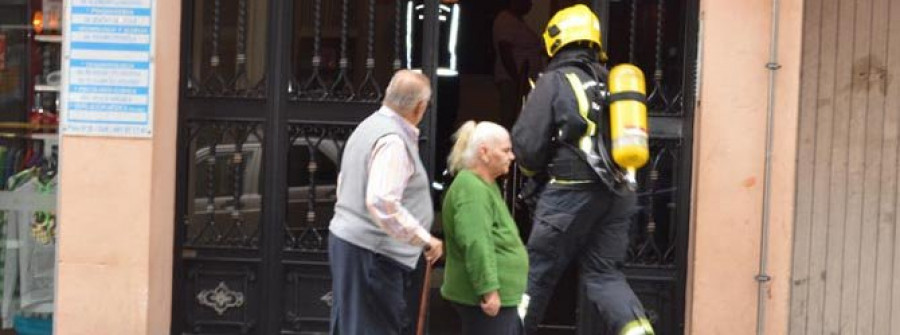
270	91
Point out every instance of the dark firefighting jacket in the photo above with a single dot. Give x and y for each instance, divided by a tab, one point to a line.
553	135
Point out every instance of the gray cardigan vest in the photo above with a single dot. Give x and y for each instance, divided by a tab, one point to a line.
351	221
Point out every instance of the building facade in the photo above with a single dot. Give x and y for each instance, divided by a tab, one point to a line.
771	209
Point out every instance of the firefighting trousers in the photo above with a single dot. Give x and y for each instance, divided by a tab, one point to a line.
588	225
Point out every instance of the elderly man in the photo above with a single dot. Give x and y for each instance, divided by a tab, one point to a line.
382	215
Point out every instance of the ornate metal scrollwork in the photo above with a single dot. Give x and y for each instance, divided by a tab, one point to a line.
221	150
314	87
215	78
307	232
370	90
221	298
342	79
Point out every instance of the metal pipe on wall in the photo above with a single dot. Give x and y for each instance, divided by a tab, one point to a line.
762	277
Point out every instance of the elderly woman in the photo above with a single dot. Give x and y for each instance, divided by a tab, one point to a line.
487	264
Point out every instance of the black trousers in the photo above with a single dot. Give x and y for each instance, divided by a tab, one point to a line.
372	294
588	225
475	322
509	103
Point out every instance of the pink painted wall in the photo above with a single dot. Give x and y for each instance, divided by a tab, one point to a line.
116	206
730	142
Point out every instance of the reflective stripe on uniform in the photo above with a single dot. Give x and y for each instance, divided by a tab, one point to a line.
527	172
640	326
585	143
570	182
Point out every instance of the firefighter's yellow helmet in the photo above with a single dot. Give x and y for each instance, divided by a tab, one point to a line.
573	24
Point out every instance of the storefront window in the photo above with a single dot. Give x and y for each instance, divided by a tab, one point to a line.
30	54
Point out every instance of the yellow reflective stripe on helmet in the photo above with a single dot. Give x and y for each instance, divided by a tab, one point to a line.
638	327
585	143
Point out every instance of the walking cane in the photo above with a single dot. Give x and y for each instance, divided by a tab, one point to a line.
423	302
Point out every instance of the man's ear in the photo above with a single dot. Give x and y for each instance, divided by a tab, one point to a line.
423	105
421	108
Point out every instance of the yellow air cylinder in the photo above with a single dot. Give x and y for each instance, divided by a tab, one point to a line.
628	119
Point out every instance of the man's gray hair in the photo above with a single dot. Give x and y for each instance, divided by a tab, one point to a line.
406	89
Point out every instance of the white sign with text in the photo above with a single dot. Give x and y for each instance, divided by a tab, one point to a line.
108	66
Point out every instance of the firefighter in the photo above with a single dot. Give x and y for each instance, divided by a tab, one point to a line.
583	212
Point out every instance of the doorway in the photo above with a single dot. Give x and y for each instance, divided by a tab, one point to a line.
657	36
270	92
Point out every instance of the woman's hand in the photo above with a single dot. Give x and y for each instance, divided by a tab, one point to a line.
490	303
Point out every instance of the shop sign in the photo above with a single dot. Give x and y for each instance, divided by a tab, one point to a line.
108	61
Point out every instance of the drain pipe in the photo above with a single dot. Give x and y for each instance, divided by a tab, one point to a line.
763	278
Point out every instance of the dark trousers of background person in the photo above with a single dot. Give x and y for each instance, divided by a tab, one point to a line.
372	294
509	103
475	322
588	224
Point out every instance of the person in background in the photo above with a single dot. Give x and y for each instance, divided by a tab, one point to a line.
382	216
519	57
487	264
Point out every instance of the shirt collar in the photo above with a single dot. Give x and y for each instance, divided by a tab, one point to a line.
409	129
